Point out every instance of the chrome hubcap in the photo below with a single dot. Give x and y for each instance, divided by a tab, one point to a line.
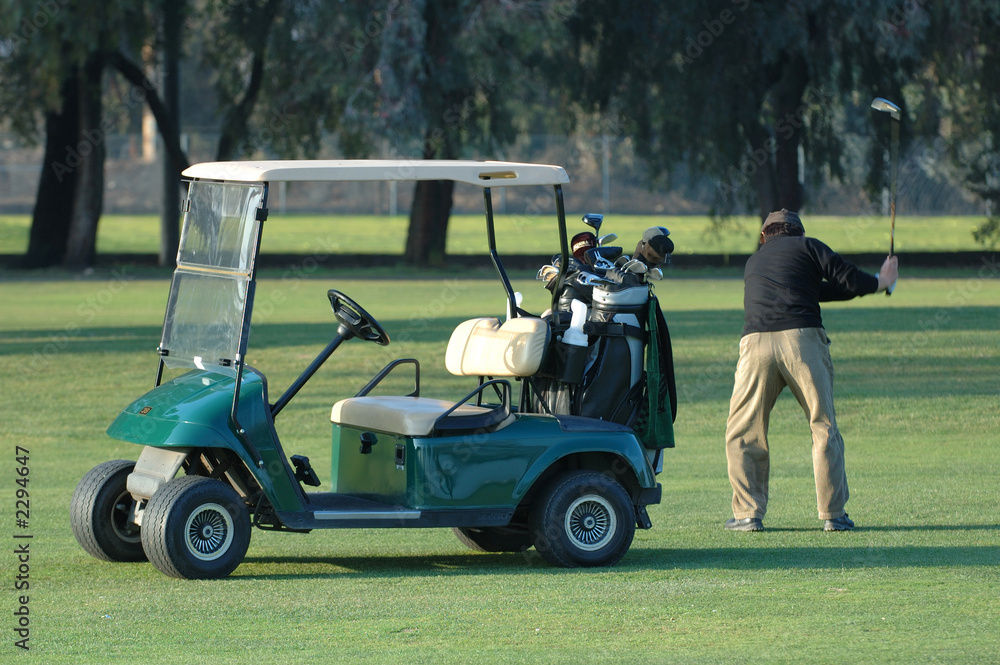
209	532
591	522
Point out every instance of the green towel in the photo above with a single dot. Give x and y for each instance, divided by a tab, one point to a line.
656	419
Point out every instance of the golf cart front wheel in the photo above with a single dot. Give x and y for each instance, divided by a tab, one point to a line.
101	513
196	528
584	519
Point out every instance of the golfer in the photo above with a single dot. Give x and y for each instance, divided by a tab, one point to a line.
784	344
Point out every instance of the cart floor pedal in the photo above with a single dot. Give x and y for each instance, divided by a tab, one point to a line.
304	472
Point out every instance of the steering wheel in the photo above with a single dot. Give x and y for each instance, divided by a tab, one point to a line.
357	321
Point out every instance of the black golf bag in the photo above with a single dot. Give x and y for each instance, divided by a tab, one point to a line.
605	373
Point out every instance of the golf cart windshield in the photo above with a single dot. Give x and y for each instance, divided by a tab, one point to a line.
208	295
211	297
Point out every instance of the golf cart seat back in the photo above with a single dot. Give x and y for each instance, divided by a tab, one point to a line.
486	347
479	347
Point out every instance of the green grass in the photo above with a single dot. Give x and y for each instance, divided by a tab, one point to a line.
311	234
918	378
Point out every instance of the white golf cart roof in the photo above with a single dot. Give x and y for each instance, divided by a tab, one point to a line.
483	174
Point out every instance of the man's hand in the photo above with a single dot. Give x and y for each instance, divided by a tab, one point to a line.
889	273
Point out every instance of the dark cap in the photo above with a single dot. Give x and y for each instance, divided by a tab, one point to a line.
783	217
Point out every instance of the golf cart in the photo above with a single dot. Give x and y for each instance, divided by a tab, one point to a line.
506	475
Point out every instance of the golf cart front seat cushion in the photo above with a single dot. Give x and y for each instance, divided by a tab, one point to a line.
478	347
485	347
408	416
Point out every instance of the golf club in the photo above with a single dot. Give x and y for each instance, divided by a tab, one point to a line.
594	221
596	259
635	266
546	273
606	238
884	105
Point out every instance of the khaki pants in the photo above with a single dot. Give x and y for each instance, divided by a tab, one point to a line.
799	359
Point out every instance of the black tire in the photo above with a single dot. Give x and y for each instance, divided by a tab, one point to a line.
196	528
585	518
493	539
100	514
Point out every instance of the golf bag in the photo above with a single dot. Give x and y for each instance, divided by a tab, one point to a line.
605	372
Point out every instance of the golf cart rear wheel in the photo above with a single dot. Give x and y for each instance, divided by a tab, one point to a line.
584	519
101	513
196	528
493	539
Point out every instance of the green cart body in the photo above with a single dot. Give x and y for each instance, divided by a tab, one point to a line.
211	465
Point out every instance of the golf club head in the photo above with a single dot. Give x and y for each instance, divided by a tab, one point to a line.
655	273
546	273
609	252
884	105
594	221
636	267
606	238
595	258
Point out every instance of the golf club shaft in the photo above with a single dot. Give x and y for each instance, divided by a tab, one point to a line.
894	158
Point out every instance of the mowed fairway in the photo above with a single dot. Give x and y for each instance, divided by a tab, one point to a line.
918	380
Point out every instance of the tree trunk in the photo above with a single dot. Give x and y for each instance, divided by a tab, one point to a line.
54	200
764	178
236	122
425	240
88	199
173	17
788	108
164	121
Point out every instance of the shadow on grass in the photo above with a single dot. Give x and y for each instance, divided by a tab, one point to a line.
76	337
127	339
788	558
725	558
389	566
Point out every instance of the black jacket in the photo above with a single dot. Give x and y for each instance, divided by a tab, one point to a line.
789	276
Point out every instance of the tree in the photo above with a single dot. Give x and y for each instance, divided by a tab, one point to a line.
55	195
441	79
285	103
88	194
740	89
53	66
960	99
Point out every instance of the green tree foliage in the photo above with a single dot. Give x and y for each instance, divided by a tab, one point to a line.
959	96
51	69
442	79
279	69
739	89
